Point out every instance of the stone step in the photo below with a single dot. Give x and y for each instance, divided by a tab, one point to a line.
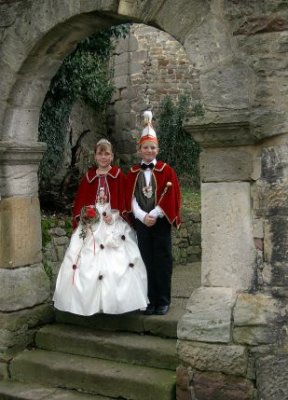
93	376
126	347
10	390
160	325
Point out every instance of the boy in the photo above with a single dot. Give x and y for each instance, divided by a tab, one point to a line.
153	196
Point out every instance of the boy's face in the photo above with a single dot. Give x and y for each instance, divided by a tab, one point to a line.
148	151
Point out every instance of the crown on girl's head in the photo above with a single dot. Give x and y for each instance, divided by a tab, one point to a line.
148	134
103	141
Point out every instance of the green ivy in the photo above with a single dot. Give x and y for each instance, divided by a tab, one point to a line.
49	270
177	147
46	225
83	74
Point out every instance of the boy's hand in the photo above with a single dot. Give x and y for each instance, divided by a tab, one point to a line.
149	221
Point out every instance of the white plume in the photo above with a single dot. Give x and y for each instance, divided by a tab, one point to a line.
147	116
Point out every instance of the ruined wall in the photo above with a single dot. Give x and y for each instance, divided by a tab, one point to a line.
148	65
241	310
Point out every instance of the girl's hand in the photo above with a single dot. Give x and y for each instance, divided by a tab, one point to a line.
107	218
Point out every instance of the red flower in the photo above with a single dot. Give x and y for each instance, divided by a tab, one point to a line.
90	212
88	217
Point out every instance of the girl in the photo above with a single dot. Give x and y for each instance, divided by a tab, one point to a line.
102	270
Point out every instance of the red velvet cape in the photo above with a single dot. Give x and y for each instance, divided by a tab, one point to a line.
87	191
167	197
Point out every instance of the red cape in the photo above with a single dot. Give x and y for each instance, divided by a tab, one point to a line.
86	194
167	197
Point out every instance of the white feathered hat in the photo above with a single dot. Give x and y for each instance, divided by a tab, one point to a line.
148	134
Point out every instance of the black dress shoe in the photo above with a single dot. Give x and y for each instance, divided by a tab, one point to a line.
149	310
161	310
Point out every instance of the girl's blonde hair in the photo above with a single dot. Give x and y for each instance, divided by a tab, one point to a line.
103	145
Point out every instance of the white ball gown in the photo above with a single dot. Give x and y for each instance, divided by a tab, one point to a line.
104	272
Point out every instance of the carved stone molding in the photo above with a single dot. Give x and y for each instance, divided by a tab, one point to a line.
222	134
15	153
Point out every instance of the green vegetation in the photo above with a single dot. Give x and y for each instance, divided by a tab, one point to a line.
49	271
84	73
191	199
177	147
46	225
49	222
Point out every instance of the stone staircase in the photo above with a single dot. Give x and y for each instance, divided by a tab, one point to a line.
130	356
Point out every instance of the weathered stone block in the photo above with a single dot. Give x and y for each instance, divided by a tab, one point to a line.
208	386
27	119
18	328
23	287
276	238
49	253
58	231
238	165
183	386
258	228
253	310
4	374
275	162
121	70
60	251
226	86
20	232
254	335
12	342
272	373
121	82
231	360
273	197
209	315
13	321
61	241
19	180
279	272
140	56
227	224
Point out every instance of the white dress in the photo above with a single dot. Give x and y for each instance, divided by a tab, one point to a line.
110	276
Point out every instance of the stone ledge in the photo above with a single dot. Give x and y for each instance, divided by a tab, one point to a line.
15	153
224	134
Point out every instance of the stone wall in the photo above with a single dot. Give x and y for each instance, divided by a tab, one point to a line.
186	241
148	65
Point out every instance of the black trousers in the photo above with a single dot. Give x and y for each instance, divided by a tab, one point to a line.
155	246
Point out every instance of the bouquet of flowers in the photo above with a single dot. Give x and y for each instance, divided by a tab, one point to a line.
88	217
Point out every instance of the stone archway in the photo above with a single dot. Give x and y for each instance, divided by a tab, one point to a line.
235	84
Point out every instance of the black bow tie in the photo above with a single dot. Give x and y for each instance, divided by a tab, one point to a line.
145	166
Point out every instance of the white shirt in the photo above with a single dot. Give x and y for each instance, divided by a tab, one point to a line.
137	210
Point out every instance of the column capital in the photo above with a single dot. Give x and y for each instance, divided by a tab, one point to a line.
223	134
21	153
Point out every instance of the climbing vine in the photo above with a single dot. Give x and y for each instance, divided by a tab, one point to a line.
176	146
84	73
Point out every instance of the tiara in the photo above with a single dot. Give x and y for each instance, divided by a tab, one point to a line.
103	141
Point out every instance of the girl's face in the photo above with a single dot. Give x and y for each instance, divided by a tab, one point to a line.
103	158
148	151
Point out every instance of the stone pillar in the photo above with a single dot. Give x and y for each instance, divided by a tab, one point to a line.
19	206
213	360
24	285
228	165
